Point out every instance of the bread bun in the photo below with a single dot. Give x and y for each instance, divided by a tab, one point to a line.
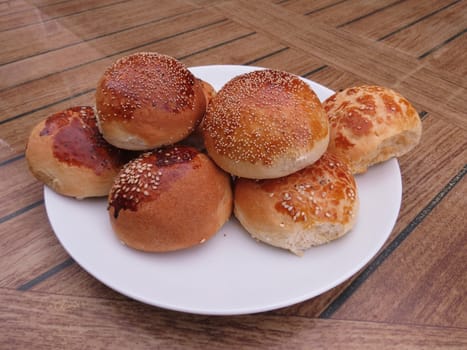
371	124
169	199
208	90
265	124
195	139
147	100
313	206
67	153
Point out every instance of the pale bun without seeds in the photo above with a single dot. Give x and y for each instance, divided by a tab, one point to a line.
371	124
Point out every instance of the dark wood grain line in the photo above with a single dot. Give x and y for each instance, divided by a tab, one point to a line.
307	74
21	211
381	257
417	21
324	8
42	277
45	106
63	16
370	13
80	41
217	45
11	160
117	53
266	56
439	46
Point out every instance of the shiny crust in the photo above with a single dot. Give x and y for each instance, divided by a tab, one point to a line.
195	139
208	90
265	124
169	199
147	100
370	124
310	207
67	153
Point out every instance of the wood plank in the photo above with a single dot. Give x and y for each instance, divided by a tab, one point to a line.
235	52
306	7
35	39
346	11
429	285
395	18
451	57
13	6
41	320
423	36
29	248
18	187
75	281
82	53
42	14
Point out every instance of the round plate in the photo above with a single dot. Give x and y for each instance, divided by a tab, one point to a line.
231	273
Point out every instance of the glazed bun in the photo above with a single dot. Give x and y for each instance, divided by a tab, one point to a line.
265	124
371	124
67	153
195	139
313	206
147	100
208	90
169	199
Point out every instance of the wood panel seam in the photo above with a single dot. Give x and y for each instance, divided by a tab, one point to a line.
396	242
100	36
20	211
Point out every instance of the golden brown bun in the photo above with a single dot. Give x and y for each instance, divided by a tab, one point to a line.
67	153
265	124
208	90
195	139
147	100
371	124
310	207
169	199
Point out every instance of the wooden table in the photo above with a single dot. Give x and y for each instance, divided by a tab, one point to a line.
411	295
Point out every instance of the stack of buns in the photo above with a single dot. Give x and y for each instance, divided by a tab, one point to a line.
175	158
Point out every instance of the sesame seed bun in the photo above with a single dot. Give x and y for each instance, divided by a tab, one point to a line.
169	199
67	153
265	124
313	206
147	100
371	124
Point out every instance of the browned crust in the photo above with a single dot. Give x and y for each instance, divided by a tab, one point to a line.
370	124
274	210
148	96
66	152
262	115
170	199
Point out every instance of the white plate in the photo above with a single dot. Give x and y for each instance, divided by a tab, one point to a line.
230	273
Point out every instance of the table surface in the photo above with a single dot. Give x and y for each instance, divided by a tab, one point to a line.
412	294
